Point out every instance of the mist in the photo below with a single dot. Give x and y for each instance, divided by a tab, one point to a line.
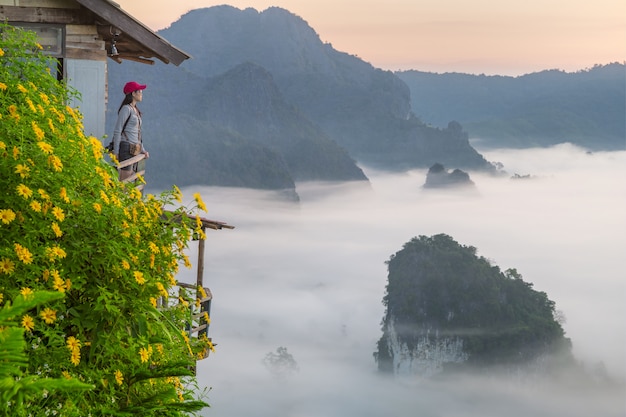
310	277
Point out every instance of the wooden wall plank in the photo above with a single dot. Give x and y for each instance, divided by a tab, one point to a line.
81	53
55	4
45	15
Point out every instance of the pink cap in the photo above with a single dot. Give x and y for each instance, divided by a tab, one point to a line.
133	86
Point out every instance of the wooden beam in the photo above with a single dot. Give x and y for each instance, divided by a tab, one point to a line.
15	14
115	16
134	58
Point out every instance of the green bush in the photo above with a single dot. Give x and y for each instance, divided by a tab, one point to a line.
68	226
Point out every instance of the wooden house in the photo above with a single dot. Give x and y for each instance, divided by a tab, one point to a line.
83	35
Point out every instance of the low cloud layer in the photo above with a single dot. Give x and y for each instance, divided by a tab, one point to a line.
311	277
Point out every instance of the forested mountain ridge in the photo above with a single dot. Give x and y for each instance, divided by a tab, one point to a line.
587	108
313	110
447	306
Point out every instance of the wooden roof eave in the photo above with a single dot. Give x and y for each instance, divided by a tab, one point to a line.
112	15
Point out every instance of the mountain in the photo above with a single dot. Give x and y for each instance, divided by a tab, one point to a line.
439	177
364	109
446	307
264	79
586	108
246	99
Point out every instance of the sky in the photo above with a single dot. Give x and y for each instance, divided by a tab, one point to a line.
477	37
311	277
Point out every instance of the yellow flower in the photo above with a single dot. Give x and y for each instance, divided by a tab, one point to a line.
45	98
183	302
28	323
58	213
125	264
207	319
51	126
63	194
97	207
6	266
13	112
104	196
187	261
144	354
178	195
22	170
59	284
26	292
199	201
22	88
139	277
73	343
35	206
162	290
3	146
48	315
119	378
56	229
3	86
153	247
45	147
43	194
23	254
24	191
2	54
66	375
75	359
201	291
55	162
55	252
16	152
31	105
7	216
153	301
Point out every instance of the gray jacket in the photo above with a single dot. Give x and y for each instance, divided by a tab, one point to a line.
132	131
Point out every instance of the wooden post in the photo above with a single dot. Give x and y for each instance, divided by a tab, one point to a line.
199	278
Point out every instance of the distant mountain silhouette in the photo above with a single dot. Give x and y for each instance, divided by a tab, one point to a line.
439	177
265	80
586	108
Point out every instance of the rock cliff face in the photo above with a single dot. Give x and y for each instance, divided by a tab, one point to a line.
448	308
427	354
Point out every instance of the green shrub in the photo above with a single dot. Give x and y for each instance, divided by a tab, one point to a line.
68	226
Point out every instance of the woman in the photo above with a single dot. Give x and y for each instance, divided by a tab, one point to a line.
127	133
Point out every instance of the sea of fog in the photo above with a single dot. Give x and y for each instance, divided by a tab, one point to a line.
310	277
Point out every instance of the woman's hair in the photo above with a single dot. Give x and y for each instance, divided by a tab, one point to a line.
127	100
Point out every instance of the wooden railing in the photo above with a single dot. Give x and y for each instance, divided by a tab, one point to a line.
199	325
141	169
